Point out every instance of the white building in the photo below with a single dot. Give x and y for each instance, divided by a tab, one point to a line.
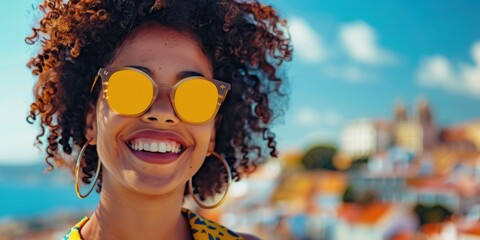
361	138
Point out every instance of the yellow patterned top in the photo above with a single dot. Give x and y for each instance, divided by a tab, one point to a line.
201	229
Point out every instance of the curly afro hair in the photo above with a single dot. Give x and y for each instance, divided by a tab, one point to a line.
245	41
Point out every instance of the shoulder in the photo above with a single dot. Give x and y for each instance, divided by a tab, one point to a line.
203	228
74	232
247	236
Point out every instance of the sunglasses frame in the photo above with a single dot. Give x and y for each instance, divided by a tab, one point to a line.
107	72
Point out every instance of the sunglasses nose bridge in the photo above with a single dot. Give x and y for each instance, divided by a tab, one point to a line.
164	87
163	93
162	104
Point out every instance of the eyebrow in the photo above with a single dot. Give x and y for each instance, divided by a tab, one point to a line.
143	69
181	75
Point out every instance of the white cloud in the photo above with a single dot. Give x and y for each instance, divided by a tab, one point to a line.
360	42
476	53
438	71
308	117
307	42
307	125
331	118
349	73
471	76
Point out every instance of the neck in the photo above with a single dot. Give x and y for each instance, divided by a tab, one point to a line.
122	214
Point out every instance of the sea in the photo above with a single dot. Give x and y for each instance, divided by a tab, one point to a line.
27	192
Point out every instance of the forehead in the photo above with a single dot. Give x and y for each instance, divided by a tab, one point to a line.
162	49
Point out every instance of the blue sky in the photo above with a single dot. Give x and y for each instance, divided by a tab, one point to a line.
356	59
353	59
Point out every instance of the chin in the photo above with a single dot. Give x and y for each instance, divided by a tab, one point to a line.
157	185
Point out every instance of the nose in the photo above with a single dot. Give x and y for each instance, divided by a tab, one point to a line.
161	111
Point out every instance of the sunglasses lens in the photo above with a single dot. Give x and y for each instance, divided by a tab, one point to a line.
129	92
196	100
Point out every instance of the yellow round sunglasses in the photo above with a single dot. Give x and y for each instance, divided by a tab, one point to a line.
131	92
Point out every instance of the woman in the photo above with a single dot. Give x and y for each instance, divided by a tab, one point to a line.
154	101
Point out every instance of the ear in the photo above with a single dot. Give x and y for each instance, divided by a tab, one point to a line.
91	125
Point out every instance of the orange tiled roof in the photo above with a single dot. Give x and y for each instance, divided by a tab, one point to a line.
369	214
430	229
471	230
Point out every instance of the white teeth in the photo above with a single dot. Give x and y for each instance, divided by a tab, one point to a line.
153	147
150	145
176	149
162	147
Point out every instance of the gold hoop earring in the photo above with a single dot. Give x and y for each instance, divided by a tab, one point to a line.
229	180
77	169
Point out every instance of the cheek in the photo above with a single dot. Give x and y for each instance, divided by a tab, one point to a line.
202	134
108	125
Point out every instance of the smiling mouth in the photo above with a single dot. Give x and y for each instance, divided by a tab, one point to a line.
155	146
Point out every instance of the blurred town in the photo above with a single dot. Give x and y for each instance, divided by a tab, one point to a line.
398	178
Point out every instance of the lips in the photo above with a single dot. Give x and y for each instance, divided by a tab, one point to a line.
160	147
